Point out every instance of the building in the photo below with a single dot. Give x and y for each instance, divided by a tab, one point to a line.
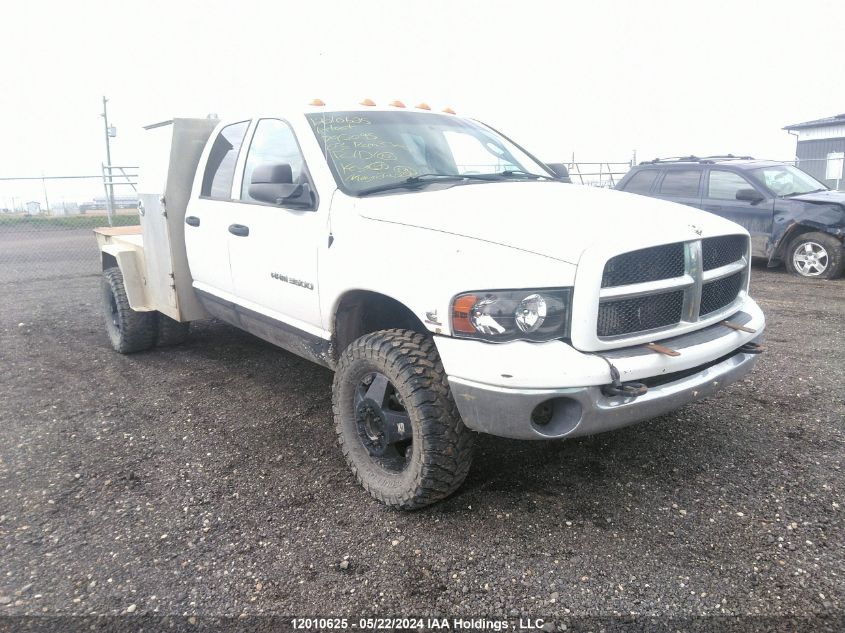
65	208
821	149
101	203
33	207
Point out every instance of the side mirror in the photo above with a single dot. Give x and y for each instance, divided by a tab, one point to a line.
273	183
749	195
560	170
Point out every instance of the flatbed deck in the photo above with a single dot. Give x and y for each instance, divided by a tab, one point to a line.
112	231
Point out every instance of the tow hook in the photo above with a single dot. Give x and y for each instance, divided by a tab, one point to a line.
618	388
627	390
751	348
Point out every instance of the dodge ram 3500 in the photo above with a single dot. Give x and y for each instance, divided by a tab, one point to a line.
453	282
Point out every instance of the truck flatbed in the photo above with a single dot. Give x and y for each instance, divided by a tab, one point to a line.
113	231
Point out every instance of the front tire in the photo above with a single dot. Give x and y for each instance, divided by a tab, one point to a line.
129	331
396	421
816	256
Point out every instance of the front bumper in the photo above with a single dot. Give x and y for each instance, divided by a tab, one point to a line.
498	387
584	410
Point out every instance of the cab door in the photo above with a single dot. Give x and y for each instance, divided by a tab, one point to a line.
756	216
207	215
273	246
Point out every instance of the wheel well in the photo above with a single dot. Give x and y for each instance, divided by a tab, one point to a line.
790	234
361	312
109	261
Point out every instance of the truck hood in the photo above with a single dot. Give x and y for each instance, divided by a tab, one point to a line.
552	219
824	197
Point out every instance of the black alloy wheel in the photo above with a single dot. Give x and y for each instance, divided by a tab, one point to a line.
384	426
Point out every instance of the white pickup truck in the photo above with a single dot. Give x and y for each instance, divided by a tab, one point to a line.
452	281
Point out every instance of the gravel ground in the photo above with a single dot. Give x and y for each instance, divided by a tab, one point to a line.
205	480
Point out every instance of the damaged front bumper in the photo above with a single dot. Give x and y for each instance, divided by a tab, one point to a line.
709	360
584	410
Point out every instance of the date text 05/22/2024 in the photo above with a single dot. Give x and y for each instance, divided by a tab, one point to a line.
432	624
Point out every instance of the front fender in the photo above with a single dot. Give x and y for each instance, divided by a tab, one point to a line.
807	216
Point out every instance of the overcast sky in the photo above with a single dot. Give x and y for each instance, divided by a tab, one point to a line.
599	79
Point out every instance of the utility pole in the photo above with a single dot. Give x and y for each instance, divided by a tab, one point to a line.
46	199
107	167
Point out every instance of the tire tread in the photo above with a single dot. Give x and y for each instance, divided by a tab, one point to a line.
139	329
448	443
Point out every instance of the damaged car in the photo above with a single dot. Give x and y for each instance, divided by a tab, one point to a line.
792	217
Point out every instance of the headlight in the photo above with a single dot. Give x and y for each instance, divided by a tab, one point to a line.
507	315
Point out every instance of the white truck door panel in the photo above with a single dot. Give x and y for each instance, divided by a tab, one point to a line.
209	215
207	243
274	267
273	249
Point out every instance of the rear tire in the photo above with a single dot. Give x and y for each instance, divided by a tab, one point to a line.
434	455
170	331
129	331
815	256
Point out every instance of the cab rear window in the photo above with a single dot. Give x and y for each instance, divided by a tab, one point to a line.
220	169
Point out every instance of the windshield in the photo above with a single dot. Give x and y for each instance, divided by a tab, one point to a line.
786	180
365	149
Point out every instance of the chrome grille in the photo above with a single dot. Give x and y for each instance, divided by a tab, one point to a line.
636	314
719	251
647	264
715	295
663	287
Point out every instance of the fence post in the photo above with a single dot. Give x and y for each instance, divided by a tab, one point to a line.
44	187
109	209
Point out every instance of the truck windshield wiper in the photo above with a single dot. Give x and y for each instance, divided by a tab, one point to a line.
425	179
518	173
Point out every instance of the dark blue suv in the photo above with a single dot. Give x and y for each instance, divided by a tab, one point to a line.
791	216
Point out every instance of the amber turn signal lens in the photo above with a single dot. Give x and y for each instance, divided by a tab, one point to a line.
397	104
423	106
317	102
368	102
448	111
461	310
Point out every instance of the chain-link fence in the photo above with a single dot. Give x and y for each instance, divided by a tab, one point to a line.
46	225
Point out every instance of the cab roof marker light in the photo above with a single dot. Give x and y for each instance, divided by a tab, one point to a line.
397	104
423	106
448	110
368	102
317	102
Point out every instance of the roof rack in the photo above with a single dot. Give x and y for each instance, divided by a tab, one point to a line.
715	157
696	159
672	159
